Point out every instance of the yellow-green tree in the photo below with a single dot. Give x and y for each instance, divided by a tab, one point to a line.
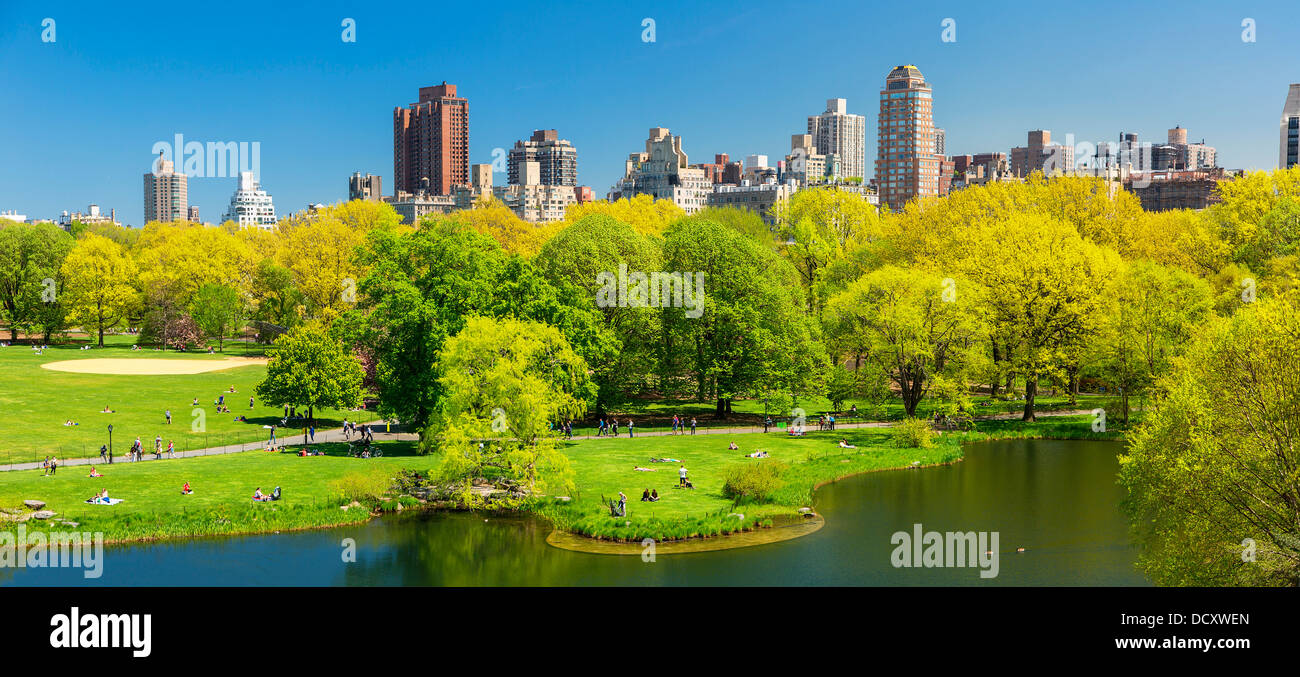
97	285
645	214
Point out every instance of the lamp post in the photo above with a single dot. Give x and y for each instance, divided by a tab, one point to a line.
110	443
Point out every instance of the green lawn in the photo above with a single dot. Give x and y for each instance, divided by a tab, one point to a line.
153	506
35	403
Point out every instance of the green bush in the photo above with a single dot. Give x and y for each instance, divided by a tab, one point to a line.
752	481
913	433
362	485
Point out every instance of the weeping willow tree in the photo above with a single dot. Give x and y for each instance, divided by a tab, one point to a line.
508	384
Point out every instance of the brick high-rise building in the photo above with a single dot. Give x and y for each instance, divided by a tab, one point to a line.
556	158
431	141
165	193
906	164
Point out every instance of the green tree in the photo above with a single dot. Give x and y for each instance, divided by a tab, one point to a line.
309	368
218	310
31	256
914	326
506	382
1214	462
1153	315
742	324
97	289
580	256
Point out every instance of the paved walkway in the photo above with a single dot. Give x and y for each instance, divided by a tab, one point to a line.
336	435
320	437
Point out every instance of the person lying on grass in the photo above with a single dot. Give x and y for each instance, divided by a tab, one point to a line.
844	444
640	469
758	453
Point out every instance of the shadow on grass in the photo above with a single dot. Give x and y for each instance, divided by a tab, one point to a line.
343	449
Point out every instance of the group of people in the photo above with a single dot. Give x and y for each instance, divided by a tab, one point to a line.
351	428
679	425
611	428
826	422
50	466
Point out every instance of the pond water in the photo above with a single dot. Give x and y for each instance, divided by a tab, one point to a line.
1058	500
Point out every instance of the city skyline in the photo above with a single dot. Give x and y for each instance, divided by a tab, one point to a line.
321	107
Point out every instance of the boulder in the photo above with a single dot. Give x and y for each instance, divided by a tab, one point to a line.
805	510
43	514
34	505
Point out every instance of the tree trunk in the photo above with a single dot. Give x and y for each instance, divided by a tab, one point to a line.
721	411
1031	389
993	385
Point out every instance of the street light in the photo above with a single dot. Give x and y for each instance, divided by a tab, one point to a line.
110	443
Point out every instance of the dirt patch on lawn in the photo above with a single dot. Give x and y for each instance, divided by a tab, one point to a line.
149	367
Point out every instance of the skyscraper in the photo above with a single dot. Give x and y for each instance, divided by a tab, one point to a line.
251	206
556	158
431	141
1289	145
906	164
164	193
842	134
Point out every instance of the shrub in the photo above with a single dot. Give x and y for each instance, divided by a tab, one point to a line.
362	485
913	433
752	481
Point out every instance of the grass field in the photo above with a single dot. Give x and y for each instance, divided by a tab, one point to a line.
35	402
153	506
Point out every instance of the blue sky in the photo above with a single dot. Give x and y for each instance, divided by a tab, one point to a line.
81	114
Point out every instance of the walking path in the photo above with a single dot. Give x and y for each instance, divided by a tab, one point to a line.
336	435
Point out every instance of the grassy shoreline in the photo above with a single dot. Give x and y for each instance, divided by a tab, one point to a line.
221	505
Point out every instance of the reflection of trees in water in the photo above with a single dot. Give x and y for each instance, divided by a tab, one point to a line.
459	549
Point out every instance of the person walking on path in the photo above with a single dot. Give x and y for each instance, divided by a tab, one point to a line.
103	452
677	423
692	425
54	464
45	465
613	427
311	432
629	427
157	448
272	440
767	423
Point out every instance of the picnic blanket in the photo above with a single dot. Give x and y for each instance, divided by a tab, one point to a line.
110	501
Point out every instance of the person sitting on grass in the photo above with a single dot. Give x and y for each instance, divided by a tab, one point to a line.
654	495
259	496
844	444
733	446
93	472
186	490
106	410
645	495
